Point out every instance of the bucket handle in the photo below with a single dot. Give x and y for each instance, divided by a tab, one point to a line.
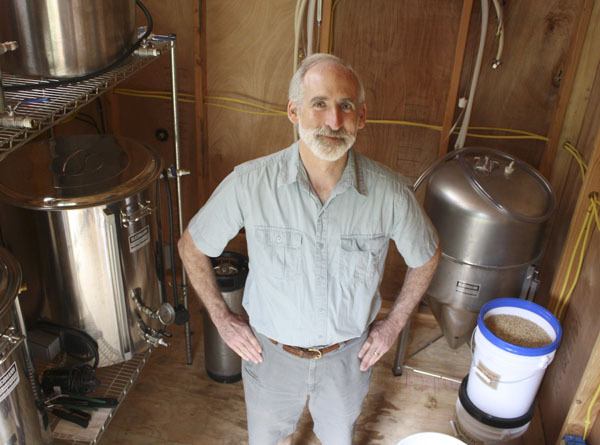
493	382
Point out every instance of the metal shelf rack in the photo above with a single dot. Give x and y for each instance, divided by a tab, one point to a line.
115	382
37	111
46	107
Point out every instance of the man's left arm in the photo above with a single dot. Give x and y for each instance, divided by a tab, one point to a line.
384	333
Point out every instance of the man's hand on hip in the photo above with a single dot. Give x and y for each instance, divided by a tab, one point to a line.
236	332
381	337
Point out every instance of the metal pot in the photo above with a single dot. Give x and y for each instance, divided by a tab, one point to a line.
93	201
21	422
65	38
490	211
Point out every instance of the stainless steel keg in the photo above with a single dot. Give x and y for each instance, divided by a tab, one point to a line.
65	38
490	210
221	362
93	200
20	421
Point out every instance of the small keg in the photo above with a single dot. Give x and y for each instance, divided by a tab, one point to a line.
222	363
21	421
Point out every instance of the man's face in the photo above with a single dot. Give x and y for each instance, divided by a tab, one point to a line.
329	116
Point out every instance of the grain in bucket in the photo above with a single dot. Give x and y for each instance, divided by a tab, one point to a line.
514	342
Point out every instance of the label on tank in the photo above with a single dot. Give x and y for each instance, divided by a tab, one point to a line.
9	381
139	239
470	289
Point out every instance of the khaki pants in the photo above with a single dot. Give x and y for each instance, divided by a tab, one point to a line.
278	389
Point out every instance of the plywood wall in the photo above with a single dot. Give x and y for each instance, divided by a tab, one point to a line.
523	93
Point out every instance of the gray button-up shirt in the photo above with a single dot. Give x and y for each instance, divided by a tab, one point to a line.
315	268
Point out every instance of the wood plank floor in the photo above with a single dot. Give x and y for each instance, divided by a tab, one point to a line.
173	403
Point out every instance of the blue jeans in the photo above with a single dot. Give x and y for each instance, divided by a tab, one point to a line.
277	390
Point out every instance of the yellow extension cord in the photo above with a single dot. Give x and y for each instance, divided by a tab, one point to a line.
270	111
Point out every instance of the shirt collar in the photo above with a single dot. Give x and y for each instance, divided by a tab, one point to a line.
293	171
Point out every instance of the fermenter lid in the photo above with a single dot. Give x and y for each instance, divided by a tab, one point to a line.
76	172
10	280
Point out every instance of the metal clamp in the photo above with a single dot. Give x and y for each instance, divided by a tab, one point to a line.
14	341
143	210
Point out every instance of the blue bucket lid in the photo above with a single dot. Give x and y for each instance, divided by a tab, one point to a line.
528	306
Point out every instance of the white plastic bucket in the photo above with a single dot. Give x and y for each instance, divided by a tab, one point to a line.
430	439
504	378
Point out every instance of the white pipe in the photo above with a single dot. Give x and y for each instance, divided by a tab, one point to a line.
462	135
499	33
310	26
300	7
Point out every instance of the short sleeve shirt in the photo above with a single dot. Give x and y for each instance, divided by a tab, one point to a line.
315	268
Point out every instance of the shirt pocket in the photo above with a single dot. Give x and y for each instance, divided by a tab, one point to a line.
281	248
361	257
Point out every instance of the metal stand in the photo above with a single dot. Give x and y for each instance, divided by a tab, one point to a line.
179	174
402	348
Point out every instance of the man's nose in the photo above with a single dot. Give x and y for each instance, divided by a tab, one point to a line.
334	118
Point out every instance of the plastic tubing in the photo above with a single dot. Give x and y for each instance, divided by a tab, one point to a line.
462	135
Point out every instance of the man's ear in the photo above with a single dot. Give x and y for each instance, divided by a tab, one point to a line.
292	112
362	116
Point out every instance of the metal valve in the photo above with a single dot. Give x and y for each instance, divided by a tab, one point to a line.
165	314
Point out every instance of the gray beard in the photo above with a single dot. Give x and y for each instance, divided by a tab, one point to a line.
324	149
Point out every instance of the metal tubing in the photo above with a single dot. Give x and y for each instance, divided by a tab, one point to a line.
28	360
188	334
2	100
403	339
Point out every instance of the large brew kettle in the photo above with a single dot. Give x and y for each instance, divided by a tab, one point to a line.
65	38
490	210
94	202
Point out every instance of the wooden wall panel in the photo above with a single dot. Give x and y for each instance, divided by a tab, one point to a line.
585	142
249	56
523	92
404	53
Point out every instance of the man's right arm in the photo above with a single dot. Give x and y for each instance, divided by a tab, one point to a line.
234	330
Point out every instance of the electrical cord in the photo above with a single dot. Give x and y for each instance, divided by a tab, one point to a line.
579	250
120	59
515	134
72	341
588	415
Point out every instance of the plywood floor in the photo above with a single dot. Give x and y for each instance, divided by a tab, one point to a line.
173	403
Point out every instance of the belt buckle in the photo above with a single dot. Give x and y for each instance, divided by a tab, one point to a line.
317	351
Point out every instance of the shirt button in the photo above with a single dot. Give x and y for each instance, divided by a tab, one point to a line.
278	238
320	245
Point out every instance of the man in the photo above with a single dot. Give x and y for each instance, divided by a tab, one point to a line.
318	219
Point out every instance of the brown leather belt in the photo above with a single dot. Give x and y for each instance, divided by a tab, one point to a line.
312	353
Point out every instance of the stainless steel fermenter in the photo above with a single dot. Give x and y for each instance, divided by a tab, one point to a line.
21	422
93	200
490	211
